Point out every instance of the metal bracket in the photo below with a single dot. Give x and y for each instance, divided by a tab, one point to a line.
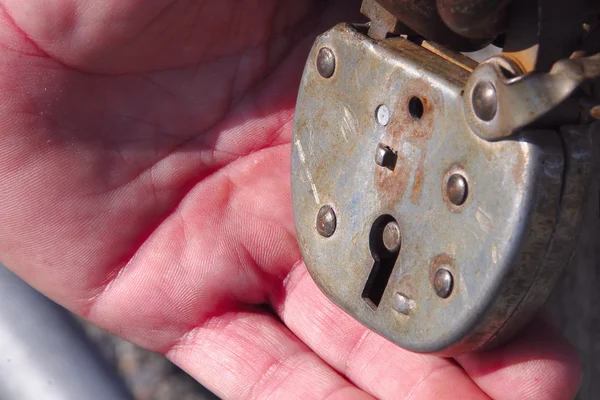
497	106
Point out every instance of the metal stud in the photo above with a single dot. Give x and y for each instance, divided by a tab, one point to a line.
326	221
391	237
443	283
457	189
326	62
485	101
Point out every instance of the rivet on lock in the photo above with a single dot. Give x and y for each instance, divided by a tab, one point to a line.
438	200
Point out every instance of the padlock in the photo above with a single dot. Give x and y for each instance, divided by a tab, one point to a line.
411	219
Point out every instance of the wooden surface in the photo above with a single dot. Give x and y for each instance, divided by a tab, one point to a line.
575	304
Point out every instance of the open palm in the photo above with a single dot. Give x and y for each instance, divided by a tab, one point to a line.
144	175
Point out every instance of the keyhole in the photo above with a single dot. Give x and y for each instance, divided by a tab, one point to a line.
384	243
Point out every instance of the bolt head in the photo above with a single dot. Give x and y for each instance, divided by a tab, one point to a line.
385	157
485	101
326	62
326	221
457	189
443	283
391	237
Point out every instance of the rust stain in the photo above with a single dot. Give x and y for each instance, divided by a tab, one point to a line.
416	191
519	168
403	134
391	185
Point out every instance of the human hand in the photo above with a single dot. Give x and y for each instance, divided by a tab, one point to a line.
144	172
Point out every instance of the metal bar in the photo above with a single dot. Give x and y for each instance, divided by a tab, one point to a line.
44	353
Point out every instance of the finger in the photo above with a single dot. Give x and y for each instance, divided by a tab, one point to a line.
365	358
539	364
245	355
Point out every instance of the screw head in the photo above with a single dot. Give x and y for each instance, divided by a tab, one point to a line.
383	115
326	221
443	283
457	189
326	62
385	157
391	237
485	101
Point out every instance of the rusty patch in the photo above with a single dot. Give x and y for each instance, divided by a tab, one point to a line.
442	259
519	169
408	136
416	191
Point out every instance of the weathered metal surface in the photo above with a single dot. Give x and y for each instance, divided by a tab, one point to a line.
579	169
520	101
499	247
382	21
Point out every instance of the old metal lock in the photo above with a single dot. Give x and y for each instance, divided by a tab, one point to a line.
409	220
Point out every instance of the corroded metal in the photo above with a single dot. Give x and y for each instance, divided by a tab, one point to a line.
382	21
501	246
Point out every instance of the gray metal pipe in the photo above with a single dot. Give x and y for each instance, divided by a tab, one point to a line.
44	353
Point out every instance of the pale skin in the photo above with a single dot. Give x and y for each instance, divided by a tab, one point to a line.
145	185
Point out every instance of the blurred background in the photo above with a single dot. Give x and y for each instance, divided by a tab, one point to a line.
46	353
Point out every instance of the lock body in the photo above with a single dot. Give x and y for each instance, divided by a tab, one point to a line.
437	239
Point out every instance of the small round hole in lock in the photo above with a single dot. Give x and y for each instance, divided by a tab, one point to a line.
416	108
